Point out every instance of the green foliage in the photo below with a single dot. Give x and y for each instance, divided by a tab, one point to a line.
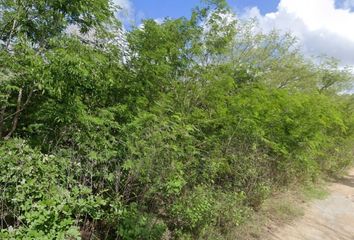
178	130
32	190
137	225
39	20
194	211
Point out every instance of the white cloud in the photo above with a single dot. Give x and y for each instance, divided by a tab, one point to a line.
125	11
124	5
320	26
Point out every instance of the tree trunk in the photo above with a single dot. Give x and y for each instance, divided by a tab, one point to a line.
2	119
17	115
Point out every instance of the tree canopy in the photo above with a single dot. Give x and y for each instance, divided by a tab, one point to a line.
177	129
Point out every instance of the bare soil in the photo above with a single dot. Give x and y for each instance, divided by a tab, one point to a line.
329	219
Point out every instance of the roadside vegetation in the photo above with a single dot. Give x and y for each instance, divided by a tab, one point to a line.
172	130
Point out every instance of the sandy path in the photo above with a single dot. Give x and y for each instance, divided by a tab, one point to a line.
330	219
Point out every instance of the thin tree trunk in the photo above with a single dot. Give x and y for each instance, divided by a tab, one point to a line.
17	115
11	33
22	107
2	119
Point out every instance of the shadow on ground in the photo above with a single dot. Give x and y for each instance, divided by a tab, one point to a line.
347	180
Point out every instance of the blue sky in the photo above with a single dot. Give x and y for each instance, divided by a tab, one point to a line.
173	8
321	26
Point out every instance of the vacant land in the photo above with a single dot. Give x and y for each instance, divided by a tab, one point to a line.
332	218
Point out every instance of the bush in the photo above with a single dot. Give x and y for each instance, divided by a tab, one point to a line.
42	201
170	131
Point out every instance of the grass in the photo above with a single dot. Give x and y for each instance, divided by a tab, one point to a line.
311	192
280	209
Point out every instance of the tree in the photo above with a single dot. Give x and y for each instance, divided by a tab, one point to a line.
28	30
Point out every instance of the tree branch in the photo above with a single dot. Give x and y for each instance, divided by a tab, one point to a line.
2	119
17	115
23	106
11	33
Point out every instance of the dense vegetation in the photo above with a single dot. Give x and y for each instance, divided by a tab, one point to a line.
173	130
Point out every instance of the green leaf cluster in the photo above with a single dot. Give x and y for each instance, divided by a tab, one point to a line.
171	130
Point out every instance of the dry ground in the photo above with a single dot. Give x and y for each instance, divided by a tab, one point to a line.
329	219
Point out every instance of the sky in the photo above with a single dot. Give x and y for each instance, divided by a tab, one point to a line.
322	26
177	8
159	9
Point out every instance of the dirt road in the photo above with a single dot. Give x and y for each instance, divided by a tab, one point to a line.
329	219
